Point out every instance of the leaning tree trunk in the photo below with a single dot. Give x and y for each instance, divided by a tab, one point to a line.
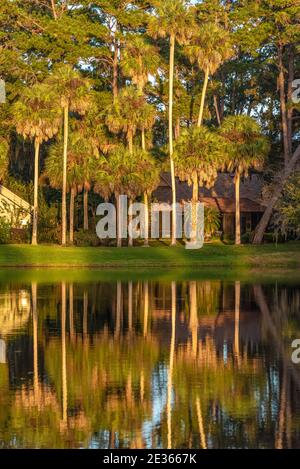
237	210
72	201
203	96
262	226
36	188
64	188
85	210
173	179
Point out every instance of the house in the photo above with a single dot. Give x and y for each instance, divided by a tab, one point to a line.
221	198
15	210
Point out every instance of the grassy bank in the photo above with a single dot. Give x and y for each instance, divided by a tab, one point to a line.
267	256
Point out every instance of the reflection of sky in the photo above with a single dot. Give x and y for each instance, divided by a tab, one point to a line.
159	386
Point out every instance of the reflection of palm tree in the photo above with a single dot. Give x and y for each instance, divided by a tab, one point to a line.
146	307
85	314
64	357
130	306
193	317
237	287
71	311
35	341
200	424
118	309
171	366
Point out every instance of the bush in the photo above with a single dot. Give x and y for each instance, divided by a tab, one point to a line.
4	231
212	221
86	238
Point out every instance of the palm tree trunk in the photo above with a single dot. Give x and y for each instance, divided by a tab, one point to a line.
262	226
85	210
173	179
237	210
130	141
36	188
119	239
146	204
203	96
130	238
143	139
194	208
281	84
72	201
64	188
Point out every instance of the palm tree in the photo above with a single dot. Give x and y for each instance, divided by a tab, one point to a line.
150	171
210	47
246	147
128	113
73	91
172	19
198	158
81	165
37	116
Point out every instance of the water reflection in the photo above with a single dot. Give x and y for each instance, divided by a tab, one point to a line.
196	364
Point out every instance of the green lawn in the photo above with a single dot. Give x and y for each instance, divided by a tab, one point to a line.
212	255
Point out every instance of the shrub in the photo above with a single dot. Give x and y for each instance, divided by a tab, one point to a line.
212	221
4	231
86	238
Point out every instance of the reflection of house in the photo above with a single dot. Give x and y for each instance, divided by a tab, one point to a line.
222	198
14	209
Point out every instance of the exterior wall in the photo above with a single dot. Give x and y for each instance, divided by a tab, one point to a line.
17	216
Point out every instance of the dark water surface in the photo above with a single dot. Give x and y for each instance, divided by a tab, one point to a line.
149	361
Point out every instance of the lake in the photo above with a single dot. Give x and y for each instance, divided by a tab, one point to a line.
100	359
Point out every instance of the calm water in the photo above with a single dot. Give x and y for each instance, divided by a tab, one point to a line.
148	363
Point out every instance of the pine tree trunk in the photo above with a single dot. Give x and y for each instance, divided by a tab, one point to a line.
173	179
36	188
263	224
237	210
289	97
64	188
281	84
115	71
203	96
72	201
85	210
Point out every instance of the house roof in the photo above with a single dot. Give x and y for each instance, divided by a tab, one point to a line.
220	197
15	199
